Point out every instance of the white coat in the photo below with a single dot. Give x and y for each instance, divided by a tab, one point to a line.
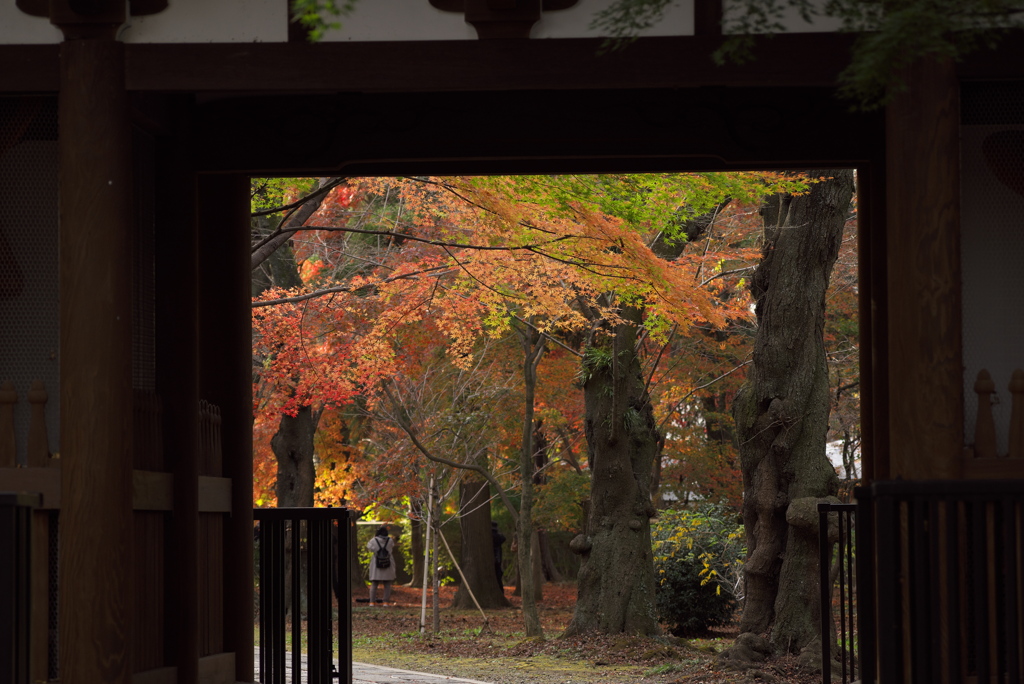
378	574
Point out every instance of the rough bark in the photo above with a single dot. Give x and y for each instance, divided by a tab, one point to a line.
477	561
293	446
547	564
782	411
616	578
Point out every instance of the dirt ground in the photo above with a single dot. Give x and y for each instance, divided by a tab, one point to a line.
389	635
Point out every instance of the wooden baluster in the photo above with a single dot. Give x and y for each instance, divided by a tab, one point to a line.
8	397
218	458
985	428
204	417
38	442
1017	415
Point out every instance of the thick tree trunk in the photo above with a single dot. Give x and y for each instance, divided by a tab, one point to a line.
293	447
782	412
477	560
547	563
616	578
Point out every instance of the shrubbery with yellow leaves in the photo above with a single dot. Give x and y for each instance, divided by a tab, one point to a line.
698	558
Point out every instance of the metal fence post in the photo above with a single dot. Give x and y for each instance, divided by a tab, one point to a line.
309	529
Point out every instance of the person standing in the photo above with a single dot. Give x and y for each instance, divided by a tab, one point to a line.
382	563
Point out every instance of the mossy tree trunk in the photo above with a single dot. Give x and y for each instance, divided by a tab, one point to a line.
616	578
782	412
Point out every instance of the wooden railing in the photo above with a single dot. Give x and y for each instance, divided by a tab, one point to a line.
841	575
40	475
291	540
153	501
982	460
939	581
15	585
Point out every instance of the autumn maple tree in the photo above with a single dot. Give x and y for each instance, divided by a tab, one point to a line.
628	297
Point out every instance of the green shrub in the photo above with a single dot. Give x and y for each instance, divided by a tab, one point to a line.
698	556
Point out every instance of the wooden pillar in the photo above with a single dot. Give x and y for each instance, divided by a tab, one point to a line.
226	380
177	293
874	324
923	241
707	18
95	352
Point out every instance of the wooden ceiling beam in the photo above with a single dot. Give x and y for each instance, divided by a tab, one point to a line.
662	62
530	131
798	60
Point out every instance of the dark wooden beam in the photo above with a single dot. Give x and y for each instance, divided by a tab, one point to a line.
926	402
95	365
1004	62
531	131
658	62
806	59
177	297
226	380
707	17
873	317
29	68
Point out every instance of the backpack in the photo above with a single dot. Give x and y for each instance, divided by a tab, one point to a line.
382	557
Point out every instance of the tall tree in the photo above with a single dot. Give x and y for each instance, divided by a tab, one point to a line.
584	257
782	411
274	265
616	578
477	556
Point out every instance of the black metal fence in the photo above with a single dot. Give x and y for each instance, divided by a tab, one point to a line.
949	597
299	569
838	573
15	584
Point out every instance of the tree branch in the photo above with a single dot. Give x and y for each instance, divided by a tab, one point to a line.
324	189
305	208
407	428
697	389
344	288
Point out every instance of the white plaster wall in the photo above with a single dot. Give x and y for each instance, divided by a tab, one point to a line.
184	21
575	21
18	28
378	20
381	20
239	21
791	20
212	21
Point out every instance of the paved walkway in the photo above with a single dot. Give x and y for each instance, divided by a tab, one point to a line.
363	673
374	674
